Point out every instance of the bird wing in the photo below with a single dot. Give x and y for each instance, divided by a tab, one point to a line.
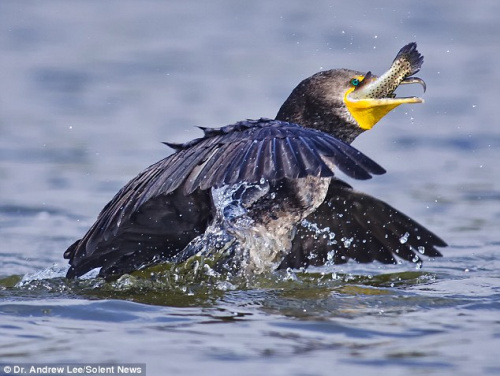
158	212
354	225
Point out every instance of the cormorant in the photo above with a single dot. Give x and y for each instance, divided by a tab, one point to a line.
262	194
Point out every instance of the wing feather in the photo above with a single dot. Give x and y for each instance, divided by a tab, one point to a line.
168	204
359	227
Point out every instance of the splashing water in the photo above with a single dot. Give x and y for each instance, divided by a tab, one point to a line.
325	232
54	271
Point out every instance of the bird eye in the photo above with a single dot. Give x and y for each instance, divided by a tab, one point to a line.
354	82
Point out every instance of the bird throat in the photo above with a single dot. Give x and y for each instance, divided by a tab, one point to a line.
368	112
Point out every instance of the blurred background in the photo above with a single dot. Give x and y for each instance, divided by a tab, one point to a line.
89	89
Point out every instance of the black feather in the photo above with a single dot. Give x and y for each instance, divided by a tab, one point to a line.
175	146
365	229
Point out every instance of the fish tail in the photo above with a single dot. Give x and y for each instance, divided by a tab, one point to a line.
410	54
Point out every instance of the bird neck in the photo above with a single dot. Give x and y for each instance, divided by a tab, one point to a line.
325	118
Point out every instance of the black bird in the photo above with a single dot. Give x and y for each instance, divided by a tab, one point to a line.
262	194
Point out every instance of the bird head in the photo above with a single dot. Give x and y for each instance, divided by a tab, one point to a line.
345	102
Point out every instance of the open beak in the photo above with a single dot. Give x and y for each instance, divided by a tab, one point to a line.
371	101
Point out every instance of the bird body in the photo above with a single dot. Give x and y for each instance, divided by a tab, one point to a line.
255	194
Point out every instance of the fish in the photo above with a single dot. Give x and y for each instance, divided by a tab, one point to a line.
406	64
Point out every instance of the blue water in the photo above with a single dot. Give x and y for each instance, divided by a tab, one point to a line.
89	89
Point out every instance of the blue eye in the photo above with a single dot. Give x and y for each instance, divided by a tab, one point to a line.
354	82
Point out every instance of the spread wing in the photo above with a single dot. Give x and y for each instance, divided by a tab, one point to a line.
161	210
353	225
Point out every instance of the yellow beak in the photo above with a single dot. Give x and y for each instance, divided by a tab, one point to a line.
368	111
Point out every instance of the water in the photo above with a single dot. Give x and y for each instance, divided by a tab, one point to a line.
89	89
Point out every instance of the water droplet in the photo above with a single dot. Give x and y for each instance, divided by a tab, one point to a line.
404	238
347	242
330	255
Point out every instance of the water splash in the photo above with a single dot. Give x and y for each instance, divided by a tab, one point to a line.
55	271
325	232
